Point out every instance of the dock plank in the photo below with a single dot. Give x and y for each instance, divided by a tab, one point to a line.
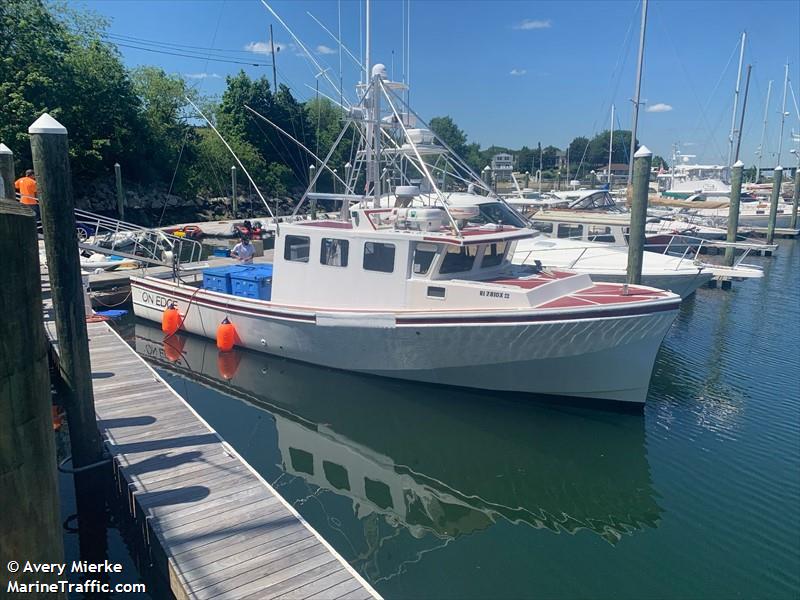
225	532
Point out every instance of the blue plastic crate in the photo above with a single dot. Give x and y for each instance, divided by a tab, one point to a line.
253	282
218	279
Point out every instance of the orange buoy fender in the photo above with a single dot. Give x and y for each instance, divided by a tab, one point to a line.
170	320
228	364
173	348
226	335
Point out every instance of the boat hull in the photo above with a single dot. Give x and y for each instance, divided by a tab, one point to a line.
603	357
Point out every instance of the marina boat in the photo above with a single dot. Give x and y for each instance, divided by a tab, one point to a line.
425	294
605	262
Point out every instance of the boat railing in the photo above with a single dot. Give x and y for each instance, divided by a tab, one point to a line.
109	236
690	253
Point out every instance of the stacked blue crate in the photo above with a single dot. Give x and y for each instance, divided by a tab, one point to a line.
253	282
218	279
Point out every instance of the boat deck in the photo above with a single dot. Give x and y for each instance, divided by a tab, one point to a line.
225	532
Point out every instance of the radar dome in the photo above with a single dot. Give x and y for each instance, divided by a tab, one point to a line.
379	69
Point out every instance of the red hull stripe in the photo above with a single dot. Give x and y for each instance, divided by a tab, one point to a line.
621	311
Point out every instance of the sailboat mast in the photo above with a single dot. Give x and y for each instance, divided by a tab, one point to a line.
763	133
610	146
637	95
732	134
783	111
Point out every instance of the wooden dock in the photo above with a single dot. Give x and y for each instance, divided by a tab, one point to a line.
223	531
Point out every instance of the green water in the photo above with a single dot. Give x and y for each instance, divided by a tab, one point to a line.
439	493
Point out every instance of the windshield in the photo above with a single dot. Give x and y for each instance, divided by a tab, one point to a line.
497	213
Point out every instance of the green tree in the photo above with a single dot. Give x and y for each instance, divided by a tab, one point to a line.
447	131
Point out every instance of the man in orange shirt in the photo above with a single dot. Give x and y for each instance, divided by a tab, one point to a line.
26	186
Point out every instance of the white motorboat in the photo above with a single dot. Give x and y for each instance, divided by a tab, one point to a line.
428	294
605	262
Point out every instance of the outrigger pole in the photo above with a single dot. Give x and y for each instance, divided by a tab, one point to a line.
239	162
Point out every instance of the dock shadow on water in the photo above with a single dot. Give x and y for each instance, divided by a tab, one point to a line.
391	472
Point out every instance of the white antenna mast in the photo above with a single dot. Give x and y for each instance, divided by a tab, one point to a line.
637	97
763	133
736	100
610	146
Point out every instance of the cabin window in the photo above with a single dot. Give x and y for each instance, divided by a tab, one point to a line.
568	230
334	252
423	257
458	259
296	248
600	233
493	255
543	227
436	292
378	257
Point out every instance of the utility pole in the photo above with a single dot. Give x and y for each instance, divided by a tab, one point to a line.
638	91
120	193
274	64
50	149
636	235
234	198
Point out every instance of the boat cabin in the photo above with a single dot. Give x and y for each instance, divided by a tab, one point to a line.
392	258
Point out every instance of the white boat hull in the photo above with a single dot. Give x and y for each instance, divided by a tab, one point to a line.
604	357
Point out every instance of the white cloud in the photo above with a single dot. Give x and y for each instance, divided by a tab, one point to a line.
659	107
527	24
322	49
265	48
518	72
202	75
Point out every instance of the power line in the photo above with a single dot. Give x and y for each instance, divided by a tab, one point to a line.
138	40
196	56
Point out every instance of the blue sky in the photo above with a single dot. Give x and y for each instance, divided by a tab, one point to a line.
512	73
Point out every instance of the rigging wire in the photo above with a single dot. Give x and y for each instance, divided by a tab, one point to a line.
703	118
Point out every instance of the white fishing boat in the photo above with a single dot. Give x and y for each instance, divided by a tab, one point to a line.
427	294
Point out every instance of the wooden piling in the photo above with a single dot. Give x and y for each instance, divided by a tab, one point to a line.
312	210
30	528
234	199
795	198
777	179
733	209
636	238
120	193
49	146
6	173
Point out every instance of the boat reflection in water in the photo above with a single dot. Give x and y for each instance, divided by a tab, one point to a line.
436	462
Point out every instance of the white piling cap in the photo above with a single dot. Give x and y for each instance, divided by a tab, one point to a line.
47	124
643	152
738	164
5	149
778	168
